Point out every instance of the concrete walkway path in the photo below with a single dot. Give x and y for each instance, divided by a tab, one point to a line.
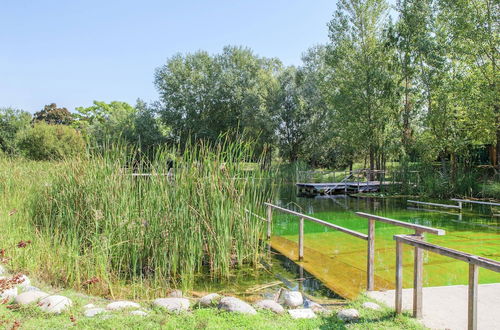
445	307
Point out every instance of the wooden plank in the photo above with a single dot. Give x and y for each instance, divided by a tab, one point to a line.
399	277
321	222
455	254
434	204
402	224
371	255
472	304
475	202
301	239
418	272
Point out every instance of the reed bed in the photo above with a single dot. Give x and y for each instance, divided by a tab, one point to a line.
127	220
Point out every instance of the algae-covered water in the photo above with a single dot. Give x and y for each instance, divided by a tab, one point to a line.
475	230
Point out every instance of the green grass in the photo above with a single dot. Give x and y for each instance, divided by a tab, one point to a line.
139	235
32	318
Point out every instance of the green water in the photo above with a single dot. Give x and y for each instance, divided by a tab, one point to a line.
475	230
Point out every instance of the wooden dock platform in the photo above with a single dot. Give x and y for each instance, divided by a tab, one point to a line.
331	188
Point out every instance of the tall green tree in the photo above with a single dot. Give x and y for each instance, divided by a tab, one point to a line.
361	79
12	121
51	114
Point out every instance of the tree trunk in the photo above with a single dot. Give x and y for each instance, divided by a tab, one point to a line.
372	164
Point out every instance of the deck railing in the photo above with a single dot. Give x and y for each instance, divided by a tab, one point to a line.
474	263
370	238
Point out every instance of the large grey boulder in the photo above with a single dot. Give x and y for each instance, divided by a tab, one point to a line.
270	305
8	294
236	305
123	304
348	315
293	299
315	307
30	297
302	313
209	300
55	304
175	305
175	294
91	312
371	305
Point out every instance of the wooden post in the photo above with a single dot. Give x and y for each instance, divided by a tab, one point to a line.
418	272
472	306
399	277
269	220
301	239
371	255
460	206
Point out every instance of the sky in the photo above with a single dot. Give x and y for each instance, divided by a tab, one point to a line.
72	52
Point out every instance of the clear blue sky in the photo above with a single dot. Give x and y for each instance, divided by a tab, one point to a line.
72	52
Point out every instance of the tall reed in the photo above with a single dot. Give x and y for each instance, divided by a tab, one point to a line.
124	218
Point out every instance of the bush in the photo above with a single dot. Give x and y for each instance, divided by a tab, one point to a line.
49	142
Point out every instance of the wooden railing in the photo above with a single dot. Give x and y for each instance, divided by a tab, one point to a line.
437	204
460	201
474	263
370	238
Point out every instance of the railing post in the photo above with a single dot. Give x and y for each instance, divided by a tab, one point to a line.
371	255
472	305
418	272
399	277
269	220
301	239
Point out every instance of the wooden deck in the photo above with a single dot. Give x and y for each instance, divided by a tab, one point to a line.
331	188
346	280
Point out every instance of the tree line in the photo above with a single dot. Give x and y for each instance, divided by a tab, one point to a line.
415	82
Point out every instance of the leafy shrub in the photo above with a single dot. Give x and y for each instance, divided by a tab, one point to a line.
49	142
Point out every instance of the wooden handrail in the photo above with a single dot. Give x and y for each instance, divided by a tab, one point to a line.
435	204
475	202
473	261
321	222
423	229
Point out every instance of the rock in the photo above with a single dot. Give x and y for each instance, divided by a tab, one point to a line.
371	305
317	308
348	315
172	304
89	306
26	283
175	294
139	313
54	304
3	270
236	305
31	288
302	313
293	299
8	294
209	300
30	297
270	305
117	305
91	312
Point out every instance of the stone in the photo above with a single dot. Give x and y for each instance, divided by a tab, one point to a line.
31	288
348	315
236	305
3	270
55	304
175	305
30	297
302	313
91	312
209	300
8	294
26	283
89	306
139	313
371	305
175	294
293	299
270	305
123	304
317	308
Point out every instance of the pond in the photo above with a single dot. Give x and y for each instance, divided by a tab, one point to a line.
475	230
